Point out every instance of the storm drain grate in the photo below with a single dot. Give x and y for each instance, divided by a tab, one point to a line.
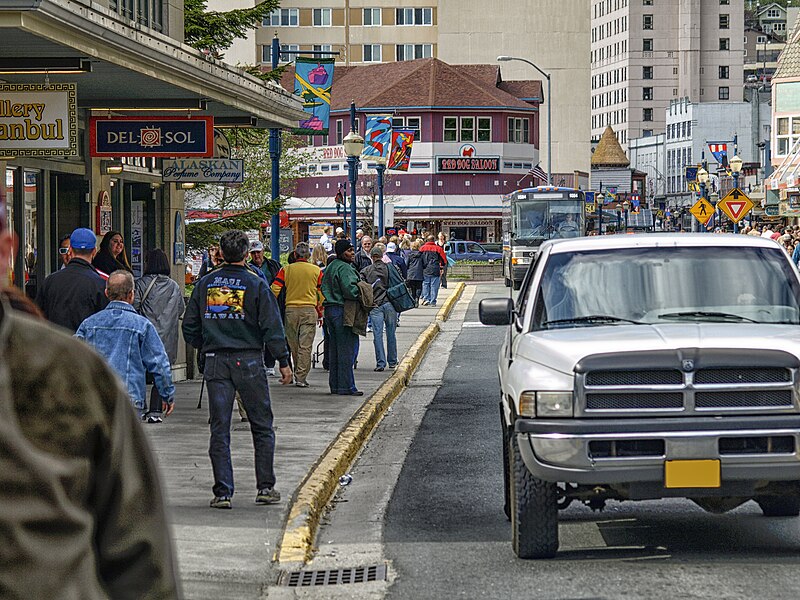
333	576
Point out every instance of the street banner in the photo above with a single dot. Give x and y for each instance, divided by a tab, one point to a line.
588	197
635	204
377	137
203	170
720	152
691	174
38	120
165	137
313	80
400	154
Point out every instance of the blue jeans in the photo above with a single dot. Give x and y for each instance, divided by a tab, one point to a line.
342	348
225	374
430	288
385	314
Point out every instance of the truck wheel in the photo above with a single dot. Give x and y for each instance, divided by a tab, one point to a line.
534	513
779	506
506	477
517	285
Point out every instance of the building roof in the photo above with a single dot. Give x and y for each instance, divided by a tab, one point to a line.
427	82
769	7
609	153
789	60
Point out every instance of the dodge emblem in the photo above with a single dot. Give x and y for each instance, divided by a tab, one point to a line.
688	365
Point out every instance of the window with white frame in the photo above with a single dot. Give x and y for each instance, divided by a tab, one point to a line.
412	123
414	51
372	53
372	17
518	130
484	129
321	17
450	129
786	138
414	16
467	129
322	48
266	53
282	17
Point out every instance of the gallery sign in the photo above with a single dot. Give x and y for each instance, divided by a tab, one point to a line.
166	137
463	164
203	170
38	119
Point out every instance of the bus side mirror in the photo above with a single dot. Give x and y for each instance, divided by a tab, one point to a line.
496	311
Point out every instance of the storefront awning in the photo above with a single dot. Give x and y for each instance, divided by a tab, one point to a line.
129	64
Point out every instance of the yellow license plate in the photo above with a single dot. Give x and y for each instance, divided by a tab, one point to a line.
692	474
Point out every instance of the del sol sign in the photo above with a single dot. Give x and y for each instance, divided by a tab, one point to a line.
165	137
464	164
38	120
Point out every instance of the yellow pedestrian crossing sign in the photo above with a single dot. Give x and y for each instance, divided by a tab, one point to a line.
702	210
736	205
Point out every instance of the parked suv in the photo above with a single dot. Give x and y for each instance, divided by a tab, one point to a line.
649	366
461	250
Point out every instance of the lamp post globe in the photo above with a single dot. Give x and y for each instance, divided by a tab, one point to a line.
353	144
736	164
702	176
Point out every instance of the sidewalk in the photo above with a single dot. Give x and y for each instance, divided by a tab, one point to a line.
227	554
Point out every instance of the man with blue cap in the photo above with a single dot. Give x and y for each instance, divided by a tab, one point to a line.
67	297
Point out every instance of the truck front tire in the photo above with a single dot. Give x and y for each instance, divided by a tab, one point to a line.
534	510
779	506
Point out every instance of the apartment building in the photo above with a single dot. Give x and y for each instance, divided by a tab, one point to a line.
646	53
554	34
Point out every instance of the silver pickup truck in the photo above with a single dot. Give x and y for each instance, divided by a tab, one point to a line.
649	366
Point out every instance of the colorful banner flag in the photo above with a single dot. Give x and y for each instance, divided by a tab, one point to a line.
720	152
378	136
313	80
400	154
691	174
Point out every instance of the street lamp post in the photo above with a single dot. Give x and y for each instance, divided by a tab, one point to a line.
549	114
353	145
275	157
736	168
625	206
381	169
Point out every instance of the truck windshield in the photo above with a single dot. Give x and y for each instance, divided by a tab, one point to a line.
667	285
539	220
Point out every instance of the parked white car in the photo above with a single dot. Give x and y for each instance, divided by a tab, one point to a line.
649	366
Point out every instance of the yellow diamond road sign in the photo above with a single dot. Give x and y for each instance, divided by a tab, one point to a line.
702	210
736	205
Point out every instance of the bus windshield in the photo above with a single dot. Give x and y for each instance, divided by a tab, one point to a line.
539	220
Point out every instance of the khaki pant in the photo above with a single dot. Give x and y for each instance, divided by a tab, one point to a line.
301	327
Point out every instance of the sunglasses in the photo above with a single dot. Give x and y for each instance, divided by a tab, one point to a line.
63	250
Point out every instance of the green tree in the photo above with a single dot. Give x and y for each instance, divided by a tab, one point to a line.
214	32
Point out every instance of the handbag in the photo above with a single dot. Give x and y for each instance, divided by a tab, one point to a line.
397	291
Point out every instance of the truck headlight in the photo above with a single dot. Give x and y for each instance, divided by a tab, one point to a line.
553	404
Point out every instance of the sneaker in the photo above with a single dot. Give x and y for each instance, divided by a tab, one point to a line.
302	384
424	303
221	502
245	420
271	372
155	419
394	366
270	496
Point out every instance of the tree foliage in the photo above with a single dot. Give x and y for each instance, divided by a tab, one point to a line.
214	32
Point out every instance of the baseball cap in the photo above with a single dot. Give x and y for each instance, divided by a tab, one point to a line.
339	230
83	239
256	246
391	247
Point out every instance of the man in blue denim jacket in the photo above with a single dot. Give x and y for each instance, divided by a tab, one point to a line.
130	344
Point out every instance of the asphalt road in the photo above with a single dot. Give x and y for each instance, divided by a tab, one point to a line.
430	503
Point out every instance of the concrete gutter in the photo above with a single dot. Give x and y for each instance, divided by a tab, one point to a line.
296	546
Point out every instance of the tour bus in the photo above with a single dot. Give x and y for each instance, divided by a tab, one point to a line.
533	215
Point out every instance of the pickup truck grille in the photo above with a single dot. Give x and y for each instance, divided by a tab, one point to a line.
687	382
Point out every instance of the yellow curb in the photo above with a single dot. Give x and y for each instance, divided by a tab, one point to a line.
312	496
447	307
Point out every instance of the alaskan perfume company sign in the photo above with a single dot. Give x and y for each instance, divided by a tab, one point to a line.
203	170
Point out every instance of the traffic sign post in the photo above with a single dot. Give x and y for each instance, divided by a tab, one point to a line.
702	210
736	205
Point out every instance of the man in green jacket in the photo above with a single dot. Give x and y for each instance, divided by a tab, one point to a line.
340	283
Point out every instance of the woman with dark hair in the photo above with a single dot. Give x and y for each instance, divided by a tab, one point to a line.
160	299
111	256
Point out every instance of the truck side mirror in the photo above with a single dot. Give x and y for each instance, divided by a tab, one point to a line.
496	311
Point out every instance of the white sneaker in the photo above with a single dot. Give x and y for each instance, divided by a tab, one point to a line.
271	372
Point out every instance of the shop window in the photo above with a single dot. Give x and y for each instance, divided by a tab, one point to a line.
450	129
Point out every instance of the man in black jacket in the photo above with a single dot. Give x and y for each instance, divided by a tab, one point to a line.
231	315
67	297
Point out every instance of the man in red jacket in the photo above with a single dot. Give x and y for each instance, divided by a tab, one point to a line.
433	261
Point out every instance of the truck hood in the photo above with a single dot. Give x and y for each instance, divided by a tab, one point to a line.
561	349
